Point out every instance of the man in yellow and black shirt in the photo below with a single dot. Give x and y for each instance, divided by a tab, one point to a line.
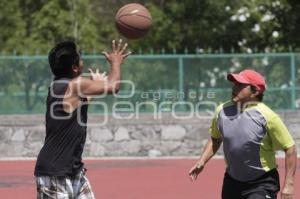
251	133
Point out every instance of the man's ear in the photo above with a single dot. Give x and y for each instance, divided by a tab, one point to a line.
255	93
75	68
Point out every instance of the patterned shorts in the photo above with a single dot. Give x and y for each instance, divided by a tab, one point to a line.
76	187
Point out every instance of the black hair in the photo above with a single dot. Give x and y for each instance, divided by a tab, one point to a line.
260	96
62	57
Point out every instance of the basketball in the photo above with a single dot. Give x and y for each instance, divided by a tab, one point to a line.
133	20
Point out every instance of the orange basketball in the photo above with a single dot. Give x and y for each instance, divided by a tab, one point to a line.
133	20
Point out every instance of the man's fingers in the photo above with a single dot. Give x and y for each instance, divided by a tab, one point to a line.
124	48
103	75
127	54
193	177
113	45
91	71
284	196
287	196
105	54
119	45
192	170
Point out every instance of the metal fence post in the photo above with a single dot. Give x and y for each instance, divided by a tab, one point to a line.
293	79
181	77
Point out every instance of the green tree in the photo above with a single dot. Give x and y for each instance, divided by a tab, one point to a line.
34	27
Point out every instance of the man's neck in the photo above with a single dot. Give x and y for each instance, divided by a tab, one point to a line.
247	104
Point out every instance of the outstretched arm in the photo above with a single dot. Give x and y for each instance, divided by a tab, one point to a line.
290	169
96	86
98	83
209	151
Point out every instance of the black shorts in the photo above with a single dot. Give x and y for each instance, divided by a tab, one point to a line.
265	187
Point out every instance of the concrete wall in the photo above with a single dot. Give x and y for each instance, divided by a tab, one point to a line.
23	135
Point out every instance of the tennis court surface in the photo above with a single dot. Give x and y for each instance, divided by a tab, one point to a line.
130	179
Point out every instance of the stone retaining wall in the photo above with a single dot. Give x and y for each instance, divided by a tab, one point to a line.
23	135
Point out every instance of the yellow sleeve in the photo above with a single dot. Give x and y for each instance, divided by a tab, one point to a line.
213	130
279	134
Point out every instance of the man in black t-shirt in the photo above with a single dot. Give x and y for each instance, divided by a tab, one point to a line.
59	170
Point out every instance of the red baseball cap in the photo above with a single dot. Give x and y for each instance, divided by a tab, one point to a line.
249	77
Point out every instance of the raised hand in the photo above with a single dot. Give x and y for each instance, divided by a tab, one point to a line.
97	75
118	53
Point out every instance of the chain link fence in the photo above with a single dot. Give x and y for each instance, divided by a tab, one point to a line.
155	82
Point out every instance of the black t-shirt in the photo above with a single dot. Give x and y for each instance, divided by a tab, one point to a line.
65	135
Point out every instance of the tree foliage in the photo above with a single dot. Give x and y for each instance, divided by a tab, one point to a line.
32	26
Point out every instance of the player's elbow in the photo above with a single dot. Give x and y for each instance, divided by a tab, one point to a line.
291	151
113	88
